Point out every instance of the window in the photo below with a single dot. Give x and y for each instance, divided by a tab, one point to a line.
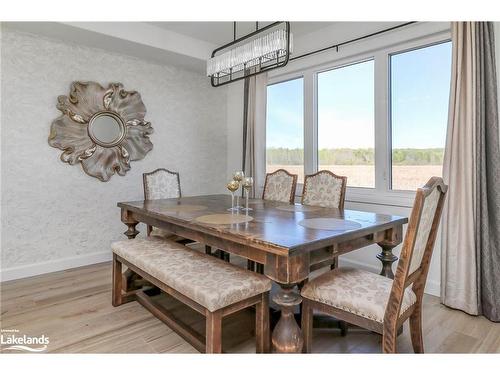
285	127
346	130
420	86
377	116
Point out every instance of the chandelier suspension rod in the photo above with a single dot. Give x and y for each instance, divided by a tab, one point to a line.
244	37
234	29
336	46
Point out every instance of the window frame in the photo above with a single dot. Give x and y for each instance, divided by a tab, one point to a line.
381	194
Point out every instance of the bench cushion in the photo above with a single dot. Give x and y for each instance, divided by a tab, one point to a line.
204	279
359	292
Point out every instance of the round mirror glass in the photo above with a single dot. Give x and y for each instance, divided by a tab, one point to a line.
106	129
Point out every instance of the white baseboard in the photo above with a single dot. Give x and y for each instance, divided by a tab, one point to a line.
29	270
432	287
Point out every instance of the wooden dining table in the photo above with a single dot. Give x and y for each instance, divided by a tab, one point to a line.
282	237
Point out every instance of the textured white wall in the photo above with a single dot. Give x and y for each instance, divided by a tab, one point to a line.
234	127
52	211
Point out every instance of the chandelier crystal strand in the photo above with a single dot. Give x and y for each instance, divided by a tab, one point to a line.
271	46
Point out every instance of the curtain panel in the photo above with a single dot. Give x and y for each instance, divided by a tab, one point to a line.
470	261
487	175
254	124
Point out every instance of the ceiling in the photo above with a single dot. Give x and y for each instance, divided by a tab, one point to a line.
219	33
188	44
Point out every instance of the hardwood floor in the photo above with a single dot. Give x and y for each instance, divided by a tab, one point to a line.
73	308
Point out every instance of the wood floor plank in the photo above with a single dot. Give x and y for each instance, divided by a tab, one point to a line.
73	308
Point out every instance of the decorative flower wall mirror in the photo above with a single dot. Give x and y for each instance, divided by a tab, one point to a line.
101	128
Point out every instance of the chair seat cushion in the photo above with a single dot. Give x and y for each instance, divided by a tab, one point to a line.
204	279
356	291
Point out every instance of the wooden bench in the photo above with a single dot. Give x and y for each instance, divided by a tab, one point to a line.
210	286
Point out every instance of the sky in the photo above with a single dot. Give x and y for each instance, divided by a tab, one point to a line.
420	84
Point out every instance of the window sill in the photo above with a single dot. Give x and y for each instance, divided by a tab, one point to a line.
383	198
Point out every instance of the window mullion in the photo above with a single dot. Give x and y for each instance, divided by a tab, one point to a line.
382	144
310	126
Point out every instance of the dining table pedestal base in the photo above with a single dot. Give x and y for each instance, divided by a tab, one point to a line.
387	258
287	335
392	238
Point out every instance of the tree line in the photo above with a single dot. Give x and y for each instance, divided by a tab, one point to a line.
359	156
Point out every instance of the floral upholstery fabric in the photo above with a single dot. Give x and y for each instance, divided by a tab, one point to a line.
278	187
162	185
359	292
206	280
322	190
424	229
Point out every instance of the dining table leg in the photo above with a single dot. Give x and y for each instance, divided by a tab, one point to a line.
393	237
287	335
387	258
131	224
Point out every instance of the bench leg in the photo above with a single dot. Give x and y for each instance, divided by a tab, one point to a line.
214	332
117	282
262	333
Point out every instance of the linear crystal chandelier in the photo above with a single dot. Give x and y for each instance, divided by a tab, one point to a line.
262	50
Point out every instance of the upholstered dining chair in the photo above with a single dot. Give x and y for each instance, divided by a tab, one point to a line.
280	186
164	184
324	189
161	184
373	301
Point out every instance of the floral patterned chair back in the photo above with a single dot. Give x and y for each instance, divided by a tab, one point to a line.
161	184
280	186
324	189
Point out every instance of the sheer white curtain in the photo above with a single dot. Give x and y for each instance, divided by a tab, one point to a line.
458	263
